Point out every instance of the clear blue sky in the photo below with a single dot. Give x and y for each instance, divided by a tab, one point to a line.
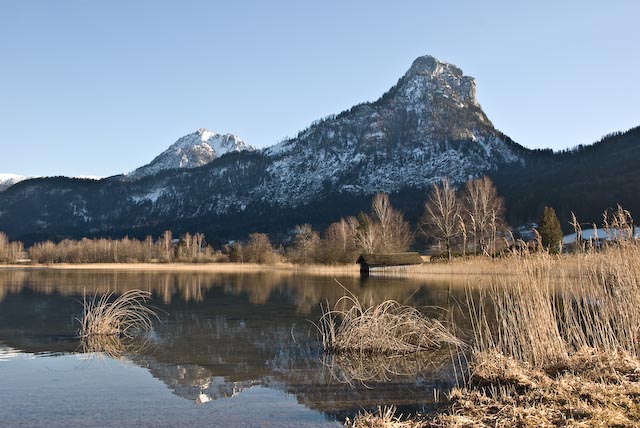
101	87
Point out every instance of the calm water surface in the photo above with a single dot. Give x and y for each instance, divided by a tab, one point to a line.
229	350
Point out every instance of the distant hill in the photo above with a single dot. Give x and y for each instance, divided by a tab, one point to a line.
586	180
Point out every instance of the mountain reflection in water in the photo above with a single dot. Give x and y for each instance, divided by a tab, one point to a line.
220	334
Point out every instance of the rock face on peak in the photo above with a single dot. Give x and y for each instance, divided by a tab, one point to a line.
191	151
428	126
447	76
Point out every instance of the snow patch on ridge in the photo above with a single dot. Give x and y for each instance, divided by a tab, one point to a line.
8	180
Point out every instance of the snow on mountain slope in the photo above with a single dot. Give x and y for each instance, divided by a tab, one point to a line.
428	126
8	180
193	150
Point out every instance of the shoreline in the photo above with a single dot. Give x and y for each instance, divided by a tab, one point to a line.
191	267
465	267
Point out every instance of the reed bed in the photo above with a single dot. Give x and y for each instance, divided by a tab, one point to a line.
388	328
121	317
556	345
542	322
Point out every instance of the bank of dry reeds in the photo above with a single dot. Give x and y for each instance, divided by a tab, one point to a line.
557	345
120	317
592	389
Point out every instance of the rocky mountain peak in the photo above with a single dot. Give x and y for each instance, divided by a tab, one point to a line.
193	150
205	134
426	127
428	75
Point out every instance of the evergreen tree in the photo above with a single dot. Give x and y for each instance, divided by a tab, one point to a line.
550	230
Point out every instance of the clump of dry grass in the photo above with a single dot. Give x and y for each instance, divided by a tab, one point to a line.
121	317
388	328
384	417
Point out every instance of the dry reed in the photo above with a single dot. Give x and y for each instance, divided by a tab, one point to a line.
556	345
388	328
542	321
122	317
384	417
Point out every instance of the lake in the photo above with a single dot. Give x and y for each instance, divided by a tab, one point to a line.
228	350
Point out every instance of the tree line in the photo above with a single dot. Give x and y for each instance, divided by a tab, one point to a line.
469	220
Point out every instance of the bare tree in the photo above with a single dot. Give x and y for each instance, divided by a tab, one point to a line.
305	245
463	231
394	232
339	243
484	211
442	211
10	251
259	250
166	242
367	234
198	246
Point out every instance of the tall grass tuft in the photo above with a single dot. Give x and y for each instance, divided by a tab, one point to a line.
388	328
384	417
122	317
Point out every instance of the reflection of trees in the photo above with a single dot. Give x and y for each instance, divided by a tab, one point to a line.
212	342
305	291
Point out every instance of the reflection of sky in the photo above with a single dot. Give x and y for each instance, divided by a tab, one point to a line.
64	391
243	335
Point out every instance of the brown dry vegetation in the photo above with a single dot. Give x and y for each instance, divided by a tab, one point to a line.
557	344
121	317
388	328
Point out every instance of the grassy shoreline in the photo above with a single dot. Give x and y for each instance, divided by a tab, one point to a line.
567	264
193	267
562	351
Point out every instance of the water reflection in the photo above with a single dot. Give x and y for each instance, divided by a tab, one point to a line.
221	334
305	291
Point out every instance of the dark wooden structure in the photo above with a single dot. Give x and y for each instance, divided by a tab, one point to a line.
381	262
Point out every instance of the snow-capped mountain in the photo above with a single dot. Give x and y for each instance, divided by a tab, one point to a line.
428	126
193	150
8	180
